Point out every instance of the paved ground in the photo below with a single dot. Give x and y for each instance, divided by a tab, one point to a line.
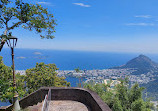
37	107
67	106
60	106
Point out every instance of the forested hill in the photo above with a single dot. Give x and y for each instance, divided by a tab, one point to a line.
152	89
142	64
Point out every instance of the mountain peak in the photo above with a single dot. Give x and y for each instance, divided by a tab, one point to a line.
143	56
142	63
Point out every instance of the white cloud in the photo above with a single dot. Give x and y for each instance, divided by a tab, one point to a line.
44	3
81	4
143	16
21	57
141	24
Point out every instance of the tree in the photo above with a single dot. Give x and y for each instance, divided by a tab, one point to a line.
5	78
77	70
117	105
43	75
6	82
16	13
123	98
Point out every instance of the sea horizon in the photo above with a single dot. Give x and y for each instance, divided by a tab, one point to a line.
67	59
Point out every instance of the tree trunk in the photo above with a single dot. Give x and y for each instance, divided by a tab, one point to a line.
3	40
1	46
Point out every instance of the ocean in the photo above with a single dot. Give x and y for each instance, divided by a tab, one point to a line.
68	60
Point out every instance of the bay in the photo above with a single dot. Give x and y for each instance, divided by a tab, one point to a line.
75	81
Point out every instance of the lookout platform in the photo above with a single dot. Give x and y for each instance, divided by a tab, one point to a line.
64	99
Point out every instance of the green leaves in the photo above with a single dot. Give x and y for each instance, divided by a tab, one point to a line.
77	70
135	92
32	17
43	75
4	2
5	80
40	76
37	18
122	98
6	83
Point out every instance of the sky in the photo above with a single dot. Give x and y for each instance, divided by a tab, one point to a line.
98	25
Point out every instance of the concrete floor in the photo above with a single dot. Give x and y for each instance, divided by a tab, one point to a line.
67	106
58	105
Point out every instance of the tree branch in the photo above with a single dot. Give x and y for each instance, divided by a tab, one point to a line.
1	45
2	20
16	24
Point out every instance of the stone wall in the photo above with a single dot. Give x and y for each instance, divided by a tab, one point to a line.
87	97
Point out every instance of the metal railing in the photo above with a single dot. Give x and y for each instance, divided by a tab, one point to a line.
47	99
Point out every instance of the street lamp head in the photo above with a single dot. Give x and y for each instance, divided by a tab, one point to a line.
11	42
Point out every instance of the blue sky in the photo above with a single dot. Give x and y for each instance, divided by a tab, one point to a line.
98	25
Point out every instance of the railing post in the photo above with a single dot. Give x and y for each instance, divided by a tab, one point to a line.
46	101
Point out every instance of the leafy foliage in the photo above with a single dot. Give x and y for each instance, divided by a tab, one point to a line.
152	89
32	17
6	81
5	78
122	98
41	75
77	70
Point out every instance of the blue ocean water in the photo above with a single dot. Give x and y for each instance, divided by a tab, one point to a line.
4	103
67	60
74	81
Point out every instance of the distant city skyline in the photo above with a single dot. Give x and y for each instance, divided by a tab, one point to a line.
98	25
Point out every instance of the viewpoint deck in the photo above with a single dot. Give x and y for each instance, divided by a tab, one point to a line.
65	98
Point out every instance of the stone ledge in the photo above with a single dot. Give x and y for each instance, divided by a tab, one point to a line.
87	97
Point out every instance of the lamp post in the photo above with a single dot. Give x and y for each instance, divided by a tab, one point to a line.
11	42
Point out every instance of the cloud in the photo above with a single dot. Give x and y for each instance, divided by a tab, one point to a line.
81	4
21	57
143	16
140	24
45	3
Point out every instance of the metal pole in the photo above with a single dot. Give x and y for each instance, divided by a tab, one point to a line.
16	105
14	82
